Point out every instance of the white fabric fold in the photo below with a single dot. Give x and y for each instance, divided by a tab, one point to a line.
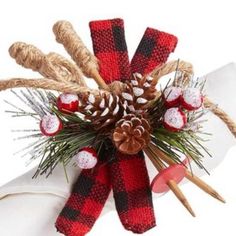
29	207
55	184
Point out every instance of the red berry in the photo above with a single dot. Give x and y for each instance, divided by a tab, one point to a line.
50	125
86	158
172	95
191	99
68	102
174	119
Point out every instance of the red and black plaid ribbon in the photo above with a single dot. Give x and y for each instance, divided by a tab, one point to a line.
132	192
86	202
110	48
153	50
126	174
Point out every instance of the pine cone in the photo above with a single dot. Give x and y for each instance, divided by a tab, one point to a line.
102	110
131	134
138	92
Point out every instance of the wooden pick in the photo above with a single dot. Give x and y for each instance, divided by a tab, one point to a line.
191	177
179	194
204	186
99	80
171	183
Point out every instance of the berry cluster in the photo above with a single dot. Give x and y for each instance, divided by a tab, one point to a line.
179	102
50	125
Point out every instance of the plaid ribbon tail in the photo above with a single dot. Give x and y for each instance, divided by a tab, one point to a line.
130	181
86	202
153	50
110	48
132	193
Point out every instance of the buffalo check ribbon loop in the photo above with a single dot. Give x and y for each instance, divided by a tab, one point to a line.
126	175
110	48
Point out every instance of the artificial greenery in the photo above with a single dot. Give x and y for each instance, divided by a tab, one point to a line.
62	147
187	142
78	133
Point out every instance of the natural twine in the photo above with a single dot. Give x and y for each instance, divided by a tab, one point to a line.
86	61
52	66
221	114
47	84
62	75
66	35
187	70
66	68
116	87
185	67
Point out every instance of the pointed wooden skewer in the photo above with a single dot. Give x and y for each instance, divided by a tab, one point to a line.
179	194
191	177
171	183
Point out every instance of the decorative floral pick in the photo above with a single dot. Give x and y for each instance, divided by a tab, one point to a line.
108	132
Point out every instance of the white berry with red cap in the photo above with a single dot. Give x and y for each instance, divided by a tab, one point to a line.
172	95
50	125
174	119
86	158
191	99
68	102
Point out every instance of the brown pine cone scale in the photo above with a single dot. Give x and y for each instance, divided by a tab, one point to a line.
102	110
132	134
138	92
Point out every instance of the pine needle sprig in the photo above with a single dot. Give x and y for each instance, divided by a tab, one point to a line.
188	141
61	148
176	144
78	132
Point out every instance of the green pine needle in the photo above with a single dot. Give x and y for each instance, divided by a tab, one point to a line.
78	133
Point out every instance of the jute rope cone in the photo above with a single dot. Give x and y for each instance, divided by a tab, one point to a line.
52	66
66	68
87	62
45	84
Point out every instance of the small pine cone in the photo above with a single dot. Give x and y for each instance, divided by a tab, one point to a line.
132	134
102	110
138	92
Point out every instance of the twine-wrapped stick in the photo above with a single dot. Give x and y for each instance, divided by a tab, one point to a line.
87	62
221	114
185	67
52	66
66	68
31	57
61	74
46	84
171	183
190	176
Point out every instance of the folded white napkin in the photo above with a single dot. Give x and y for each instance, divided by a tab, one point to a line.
29	207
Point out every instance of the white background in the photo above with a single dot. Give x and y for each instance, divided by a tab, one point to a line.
207	38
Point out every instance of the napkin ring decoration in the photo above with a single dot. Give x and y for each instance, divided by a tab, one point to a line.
109	131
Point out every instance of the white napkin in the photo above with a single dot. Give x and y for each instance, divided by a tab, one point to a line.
29	207
220	88
55	184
